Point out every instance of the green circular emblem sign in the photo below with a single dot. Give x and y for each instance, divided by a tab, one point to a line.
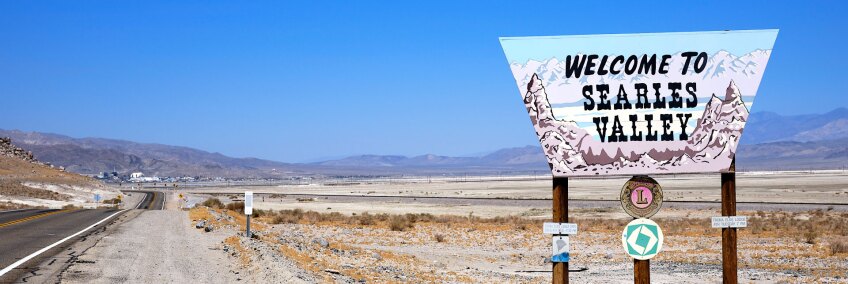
642	239
641	197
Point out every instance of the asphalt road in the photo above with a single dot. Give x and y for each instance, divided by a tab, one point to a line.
23	233
153	200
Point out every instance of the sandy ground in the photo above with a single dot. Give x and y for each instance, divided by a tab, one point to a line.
156	247
828	186
508	198
165	246
474	252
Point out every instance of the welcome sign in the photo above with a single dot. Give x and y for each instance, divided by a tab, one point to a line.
639	103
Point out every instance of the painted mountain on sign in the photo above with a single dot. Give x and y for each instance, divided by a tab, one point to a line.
638	104
572	149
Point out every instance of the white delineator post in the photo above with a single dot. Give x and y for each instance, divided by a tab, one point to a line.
248	209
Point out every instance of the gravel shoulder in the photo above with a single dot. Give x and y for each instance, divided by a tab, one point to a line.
156	247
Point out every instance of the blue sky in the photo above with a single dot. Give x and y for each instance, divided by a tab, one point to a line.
287	82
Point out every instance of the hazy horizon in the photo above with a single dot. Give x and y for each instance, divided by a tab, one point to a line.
479	153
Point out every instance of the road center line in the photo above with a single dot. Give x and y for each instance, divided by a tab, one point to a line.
31	256
33	217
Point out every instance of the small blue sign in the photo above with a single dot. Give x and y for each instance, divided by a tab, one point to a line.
96	197
563	257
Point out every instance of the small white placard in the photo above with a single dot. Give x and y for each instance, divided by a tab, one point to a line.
730	222
568	228
248	202
550	228
559	228
561	247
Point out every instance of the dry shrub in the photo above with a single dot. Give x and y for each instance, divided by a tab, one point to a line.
439	238
213	202
400	223
366	219
112	201
11	206
810	236
236	206
838	246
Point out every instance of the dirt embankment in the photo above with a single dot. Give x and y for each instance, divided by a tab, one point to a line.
25	182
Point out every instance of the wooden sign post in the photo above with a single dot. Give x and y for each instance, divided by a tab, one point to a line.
560	209
641	271
728	235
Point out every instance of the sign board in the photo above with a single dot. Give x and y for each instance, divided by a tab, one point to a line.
559	228
97	197
641	197
730	222
248	203
638	104
561	248
642	239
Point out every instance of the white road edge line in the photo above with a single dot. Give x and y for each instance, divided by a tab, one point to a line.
137	206
163	201
27	258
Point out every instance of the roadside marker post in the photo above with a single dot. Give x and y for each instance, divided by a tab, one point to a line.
248	209
728	235
560	212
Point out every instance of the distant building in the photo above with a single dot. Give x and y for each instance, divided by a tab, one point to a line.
136	175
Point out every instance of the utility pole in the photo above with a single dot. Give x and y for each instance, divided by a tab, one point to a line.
728	235
560	212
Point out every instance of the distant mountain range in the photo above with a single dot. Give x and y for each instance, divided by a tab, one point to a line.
770	141
94	155
766	127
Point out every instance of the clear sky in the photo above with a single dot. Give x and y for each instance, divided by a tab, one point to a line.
294	83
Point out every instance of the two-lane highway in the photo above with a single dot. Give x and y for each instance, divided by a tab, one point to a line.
29	236
153	200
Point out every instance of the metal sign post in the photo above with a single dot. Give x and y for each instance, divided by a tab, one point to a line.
560	209
248	209
728	235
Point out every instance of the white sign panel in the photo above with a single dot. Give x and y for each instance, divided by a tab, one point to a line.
561	249
730	222
559	228
631	104
248	202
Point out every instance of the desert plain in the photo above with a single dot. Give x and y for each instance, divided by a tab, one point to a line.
470	230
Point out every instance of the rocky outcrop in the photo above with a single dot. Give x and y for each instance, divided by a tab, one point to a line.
10	150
